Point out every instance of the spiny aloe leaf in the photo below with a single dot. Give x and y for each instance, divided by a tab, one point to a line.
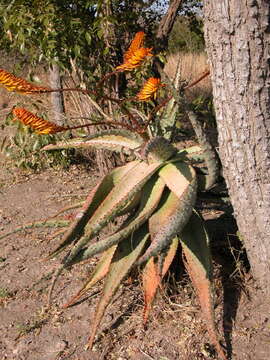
177	176
211	157
45	223
195	243
150	198
124	257
56	234
193	153
94	199
158	149
114	140
151	282
132	204
168	116
115	201
186	154
179	211
98	274
152	277
181	155
196	149
69	207
169	256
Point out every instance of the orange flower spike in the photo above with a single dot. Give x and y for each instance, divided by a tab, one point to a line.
136	44
150	89
135	60
13	83
39	125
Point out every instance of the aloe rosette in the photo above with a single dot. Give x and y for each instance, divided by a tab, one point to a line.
155	193
158	191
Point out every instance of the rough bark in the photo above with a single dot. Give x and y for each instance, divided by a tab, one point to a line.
57	100
237	40
166	24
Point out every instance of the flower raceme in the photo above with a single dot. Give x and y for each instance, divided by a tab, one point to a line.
136	44
150	89
136	54
39	125
13	83
135	60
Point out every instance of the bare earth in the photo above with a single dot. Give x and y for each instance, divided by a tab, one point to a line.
29	330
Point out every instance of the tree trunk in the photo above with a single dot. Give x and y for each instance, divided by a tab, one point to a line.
237	41
57	100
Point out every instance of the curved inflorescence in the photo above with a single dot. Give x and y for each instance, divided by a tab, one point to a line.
150	89
39	125
136	44
17	84
135	60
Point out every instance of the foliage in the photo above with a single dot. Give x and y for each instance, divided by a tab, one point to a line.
23	147
58	31
156	193
82	37
204	107
187	34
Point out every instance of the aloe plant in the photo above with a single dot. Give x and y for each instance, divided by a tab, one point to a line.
156	192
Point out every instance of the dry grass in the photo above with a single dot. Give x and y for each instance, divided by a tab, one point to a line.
192	66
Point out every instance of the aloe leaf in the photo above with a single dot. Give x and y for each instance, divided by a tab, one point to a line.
211	157
115	201
94	199
168	117
196	149
151	282
177	176
195	243
132	204
124	257
114	140
193	153
150	198
69	207
46	223
169	256
152	277
98	274
158	149
56	234
178	211
186	154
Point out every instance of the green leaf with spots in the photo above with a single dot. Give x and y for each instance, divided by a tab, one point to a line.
94	199
150	198
153	274
177	176
52	223
113	140
106	211
98	274
195	243
124	258
175	212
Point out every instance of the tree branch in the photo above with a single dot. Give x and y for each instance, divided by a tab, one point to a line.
166	24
